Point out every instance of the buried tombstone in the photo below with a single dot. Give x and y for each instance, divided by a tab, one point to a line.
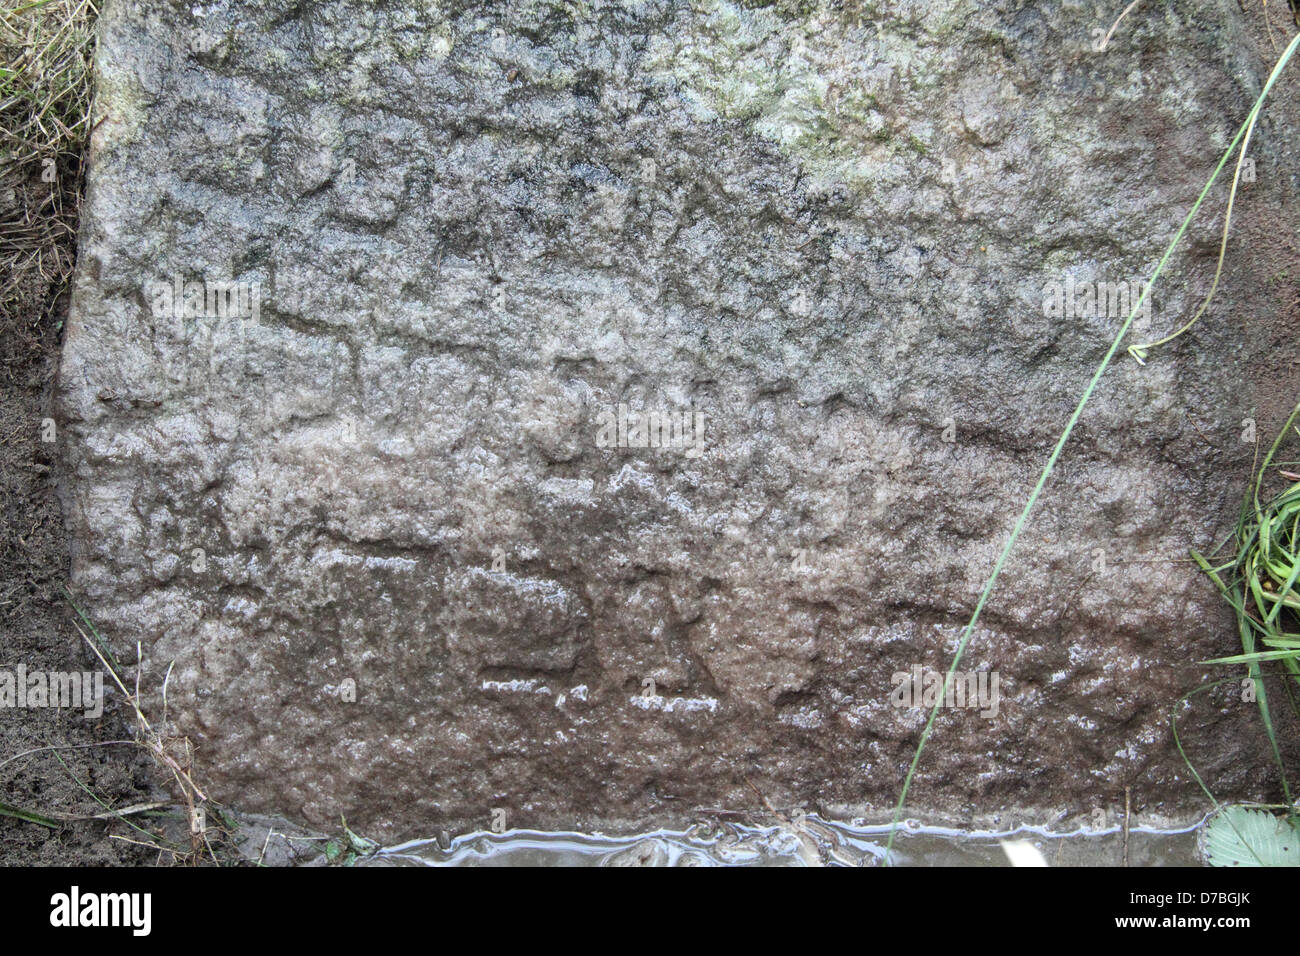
827	239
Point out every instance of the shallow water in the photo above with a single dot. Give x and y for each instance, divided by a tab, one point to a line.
809	842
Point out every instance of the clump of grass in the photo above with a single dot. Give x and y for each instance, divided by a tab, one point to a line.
46	48
1259	582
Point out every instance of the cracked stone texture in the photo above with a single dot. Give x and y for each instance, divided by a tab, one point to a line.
827	229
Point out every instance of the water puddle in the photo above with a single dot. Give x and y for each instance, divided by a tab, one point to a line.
809	841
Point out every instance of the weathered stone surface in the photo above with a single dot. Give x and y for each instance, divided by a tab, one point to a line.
824	235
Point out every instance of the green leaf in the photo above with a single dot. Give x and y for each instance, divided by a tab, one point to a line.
28	816
1239	836
358	843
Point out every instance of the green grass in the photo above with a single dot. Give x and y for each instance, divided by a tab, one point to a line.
17	813
1259	582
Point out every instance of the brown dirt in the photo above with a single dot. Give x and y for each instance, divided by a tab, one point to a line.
36	626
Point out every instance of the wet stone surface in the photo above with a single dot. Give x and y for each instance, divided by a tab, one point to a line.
378	480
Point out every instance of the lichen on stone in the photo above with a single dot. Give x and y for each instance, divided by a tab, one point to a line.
828	87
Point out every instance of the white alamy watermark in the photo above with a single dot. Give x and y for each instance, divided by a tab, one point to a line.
621	427
206	299
921	687
30	689
1090	300
75	909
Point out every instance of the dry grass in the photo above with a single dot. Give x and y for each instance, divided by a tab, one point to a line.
194	842
46	48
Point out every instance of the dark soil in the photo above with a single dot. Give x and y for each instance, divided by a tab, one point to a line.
36	623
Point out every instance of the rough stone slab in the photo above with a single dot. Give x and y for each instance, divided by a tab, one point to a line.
822	234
